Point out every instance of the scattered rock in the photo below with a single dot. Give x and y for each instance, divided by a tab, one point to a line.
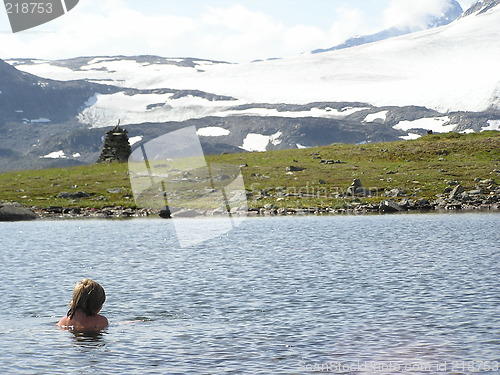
54	210
294	169
77	195
406	203
116	191
394	193
487	182
356	184
456	192
329	161
390	206
475	192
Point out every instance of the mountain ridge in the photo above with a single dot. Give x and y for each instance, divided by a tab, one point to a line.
453	12
397	88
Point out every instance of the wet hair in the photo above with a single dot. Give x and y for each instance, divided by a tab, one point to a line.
88	296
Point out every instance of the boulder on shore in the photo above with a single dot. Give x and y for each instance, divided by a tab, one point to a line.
11	212
390	206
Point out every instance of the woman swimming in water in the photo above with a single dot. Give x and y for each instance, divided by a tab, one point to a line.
87	301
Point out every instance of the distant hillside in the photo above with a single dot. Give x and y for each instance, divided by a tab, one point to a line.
428	168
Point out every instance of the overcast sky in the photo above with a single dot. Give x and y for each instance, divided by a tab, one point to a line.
227	30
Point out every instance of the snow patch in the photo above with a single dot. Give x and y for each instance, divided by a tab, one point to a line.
436	124
40	120
259	142
76	155
140	108
55	155
97	60
274	139
492	125
313	112
467	131
376	116
92	100
212	131
410	136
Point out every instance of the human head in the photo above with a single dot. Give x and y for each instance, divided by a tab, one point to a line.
88	296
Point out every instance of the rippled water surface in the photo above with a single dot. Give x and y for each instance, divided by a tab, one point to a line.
275	296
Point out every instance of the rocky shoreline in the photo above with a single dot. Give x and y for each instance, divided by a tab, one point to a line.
484	197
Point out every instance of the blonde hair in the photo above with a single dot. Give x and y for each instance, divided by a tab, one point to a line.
88	296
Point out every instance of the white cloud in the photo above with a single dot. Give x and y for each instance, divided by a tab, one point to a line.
412	13
232	33
349	22
100	27
237	31
302	38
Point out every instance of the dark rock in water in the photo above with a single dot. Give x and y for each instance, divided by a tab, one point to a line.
423	204
390	206
14	213
165	213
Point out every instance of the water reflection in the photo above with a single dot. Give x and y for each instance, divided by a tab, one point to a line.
89	340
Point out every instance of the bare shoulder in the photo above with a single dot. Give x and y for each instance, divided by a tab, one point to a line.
102	321
64	321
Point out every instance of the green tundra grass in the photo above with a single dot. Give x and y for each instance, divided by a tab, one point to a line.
420	167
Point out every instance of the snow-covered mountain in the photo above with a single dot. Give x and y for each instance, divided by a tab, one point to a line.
481	6
442	79
449	68
450	13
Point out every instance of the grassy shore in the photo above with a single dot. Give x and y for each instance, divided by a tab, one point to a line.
314	177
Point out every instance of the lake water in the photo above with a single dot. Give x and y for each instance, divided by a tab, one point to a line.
395	294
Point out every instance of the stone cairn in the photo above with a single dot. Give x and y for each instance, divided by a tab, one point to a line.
116	146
